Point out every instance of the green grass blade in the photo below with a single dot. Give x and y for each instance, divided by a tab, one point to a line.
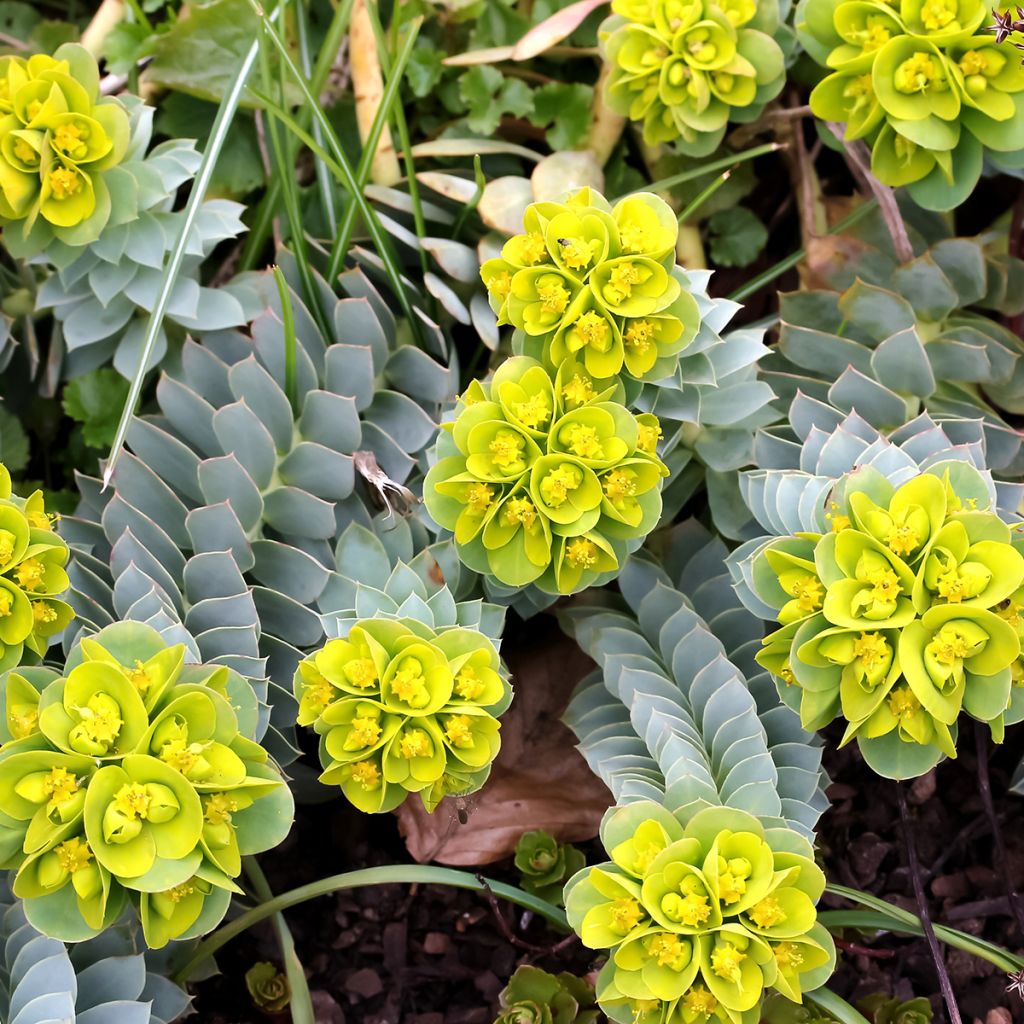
691	208
840	1009
218	136
723	164
291	388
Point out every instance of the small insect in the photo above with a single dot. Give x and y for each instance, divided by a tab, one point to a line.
565	241
1016	985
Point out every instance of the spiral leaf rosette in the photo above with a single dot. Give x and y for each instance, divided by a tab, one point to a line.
904	615
533	996
32	578
59	141
701	919
596	282
546	864
140	782
546	481
405	705
922	83
686	68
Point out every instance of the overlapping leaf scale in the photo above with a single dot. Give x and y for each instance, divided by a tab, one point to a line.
912	339
799	464
102	981
711	407
678	712
101	294
220	524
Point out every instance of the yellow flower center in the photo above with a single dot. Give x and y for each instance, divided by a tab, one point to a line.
726	960
179	892
42	613
786	674
902	539
361	672
949	647
139	677
318	693
837	519
506	450
788	956
415	743
556	486
581	553
70	139
479	498
885	584
458	732
60	785
1011	612
669	951
636	238
767	913
132	800
649	437
534	412
808	593
700	1000
180	755
73	855
467	684
622	279
916	73
6	603
585	442
6	546
578	391
364	733
32	110
531	247
520	511
973	62
871	648
691	910
553	295
577	253
367	774
100	719
593	330
904	148
620	484
64	183
937	14
903	704
24	152
409	685
218	808
639	335
875	35
24	723
952	587
501	284
858	89
30	574
626	914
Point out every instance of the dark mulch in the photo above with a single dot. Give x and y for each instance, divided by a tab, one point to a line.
430	955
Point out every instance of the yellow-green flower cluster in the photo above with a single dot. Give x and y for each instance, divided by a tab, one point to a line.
701	921
923	83
685	68
597	283
129	775
905	614
32	578
58	137
402	708
546	481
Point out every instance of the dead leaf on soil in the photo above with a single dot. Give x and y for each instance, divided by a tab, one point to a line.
538	781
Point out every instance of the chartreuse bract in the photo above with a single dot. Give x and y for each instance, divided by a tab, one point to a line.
686	68
901	616
59	139
923	84
32	580
702	915
597	283
546	480
139	782
406	695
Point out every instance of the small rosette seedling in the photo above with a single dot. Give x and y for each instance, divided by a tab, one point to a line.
546	864
135	779
59	142
598	283
905	614
923	84
701	920
533	996
686	69
408	701
32	580
546	481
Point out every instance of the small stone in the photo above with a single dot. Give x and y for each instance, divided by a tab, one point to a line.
922	789
325	1008
365	983
953	887
435	943
998	1015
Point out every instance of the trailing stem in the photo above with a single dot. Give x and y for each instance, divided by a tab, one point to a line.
368	88
945	985
981	747
106	18
605	125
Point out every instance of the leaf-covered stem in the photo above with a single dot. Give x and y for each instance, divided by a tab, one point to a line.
605	125
368	88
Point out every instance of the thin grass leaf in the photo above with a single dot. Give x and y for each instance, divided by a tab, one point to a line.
218	136
379	238
839	1008
722	164
691	208
291	388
